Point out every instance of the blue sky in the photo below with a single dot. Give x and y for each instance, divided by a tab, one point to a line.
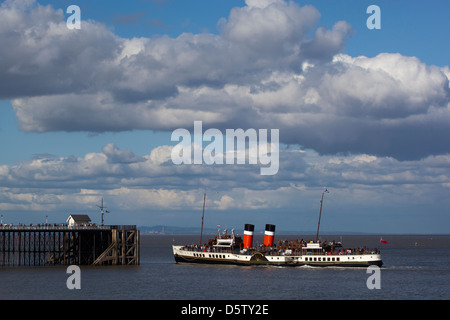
89	113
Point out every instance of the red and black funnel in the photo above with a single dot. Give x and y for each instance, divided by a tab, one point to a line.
248	235
269	234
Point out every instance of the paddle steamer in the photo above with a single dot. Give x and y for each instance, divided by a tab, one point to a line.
231	249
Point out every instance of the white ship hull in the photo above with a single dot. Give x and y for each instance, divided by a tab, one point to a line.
183	255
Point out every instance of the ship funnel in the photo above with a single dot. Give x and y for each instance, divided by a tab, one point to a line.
248	235
269	235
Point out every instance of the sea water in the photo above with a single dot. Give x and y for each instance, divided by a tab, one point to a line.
415	267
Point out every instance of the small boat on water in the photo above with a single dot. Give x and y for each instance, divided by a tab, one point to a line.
231	249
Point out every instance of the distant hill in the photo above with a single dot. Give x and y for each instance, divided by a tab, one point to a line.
162	229
172	230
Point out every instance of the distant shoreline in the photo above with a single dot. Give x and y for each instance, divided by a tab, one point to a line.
174	230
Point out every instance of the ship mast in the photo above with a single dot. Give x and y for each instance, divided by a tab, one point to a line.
102	210
203	216
320	213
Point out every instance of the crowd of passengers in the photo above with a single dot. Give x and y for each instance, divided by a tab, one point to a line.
288	247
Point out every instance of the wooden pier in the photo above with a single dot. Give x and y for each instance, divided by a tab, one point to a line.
68	245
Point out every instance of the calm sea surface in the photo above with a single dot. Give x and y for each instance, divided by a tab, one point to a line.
415	267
